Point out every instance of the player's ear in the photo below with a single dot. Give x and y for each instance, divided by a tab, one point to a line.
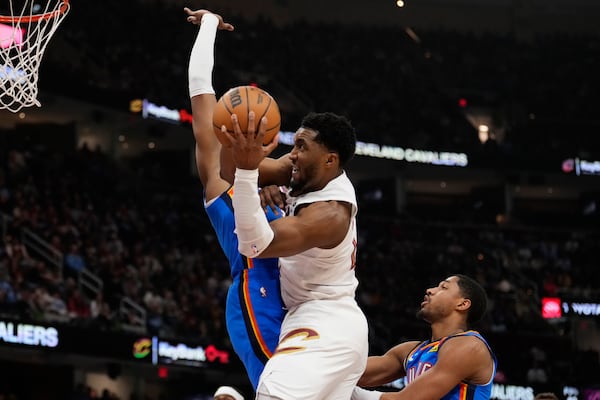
465	304
331	157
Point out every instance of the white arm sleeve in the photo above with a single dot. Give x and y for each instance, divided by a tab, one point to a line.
362	394
202	57
251	225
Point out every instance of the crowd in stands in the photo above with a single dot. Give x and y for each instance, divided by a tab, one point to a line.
85	392
397	90
144	249
153	245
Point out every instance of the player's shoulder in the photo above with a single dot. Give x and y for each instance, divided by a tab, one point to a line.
470	337
471	342
326	210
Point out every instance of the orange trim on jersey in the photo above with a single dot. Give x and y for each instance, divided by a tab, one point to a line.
430	345
230	191
410	353
249	263
463	333
462	392
252	318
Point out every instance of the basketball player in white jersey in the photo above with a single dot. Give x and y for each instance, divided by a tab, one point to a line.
323	344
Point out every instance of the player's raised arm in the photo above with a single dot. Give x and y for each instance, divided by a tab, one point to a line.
202	96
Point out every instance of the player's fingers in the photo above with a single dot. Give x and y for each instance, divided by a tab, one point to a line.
271	196
237	131
279	199
262	128
224	25
195	17
265	199
268	149
228	134
251	124
275	139
190	13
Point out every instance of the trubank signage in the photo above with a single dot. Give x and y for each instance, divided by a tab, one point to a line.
28	334
178	353
161	112
579	166
166	352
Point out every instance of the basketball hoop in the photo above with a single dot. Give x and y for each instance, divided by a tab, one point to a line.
25	30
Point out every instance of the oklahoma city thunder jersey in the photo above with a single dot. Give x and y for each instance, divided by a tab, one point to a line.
254	309
425	355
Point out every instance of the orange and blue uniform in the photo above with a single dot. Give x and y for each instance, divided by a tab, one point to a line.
254	309
425	355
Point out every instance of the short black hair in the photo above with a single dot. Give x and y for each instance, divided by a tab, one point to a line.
473	291
333	131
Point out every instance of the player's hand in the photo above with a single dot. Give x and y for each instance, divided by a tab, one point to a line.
247	147
271	196
195	17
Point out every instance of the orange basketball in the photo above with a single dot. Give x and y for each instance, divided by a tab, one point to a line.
240	101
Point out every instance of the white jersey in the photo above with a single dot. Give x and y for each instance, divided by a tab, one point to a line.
323	344
322	274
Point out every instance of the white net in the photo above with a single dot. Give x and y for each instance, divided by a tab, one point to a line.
26	27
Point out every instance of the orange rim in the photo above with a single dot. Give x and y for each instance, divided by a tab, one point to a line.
35	18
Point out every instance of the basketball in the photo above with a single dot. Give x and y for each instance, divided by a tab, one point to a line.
240	101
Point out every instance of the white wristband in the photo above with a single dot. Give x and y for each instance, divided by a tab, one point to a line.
251	225
363	394
202	57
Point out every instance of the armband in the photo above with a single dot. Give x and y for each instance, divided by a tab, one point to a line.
251	226
363	394
202	57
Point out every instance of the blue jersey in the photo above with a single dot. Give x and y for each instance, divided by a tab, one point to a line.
425	355
254	309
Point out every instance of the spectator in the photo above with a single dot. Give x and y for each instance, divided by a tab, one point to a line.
77	306
228	393
536	374
546	396
74	261
8	297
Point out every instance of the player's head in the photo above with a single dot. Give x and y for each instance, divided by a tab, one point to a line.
227	393
473	291
457	294
323	145
335	132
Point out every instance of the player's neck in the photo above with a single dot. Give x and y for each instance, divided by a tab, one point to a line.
315	186
440	330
